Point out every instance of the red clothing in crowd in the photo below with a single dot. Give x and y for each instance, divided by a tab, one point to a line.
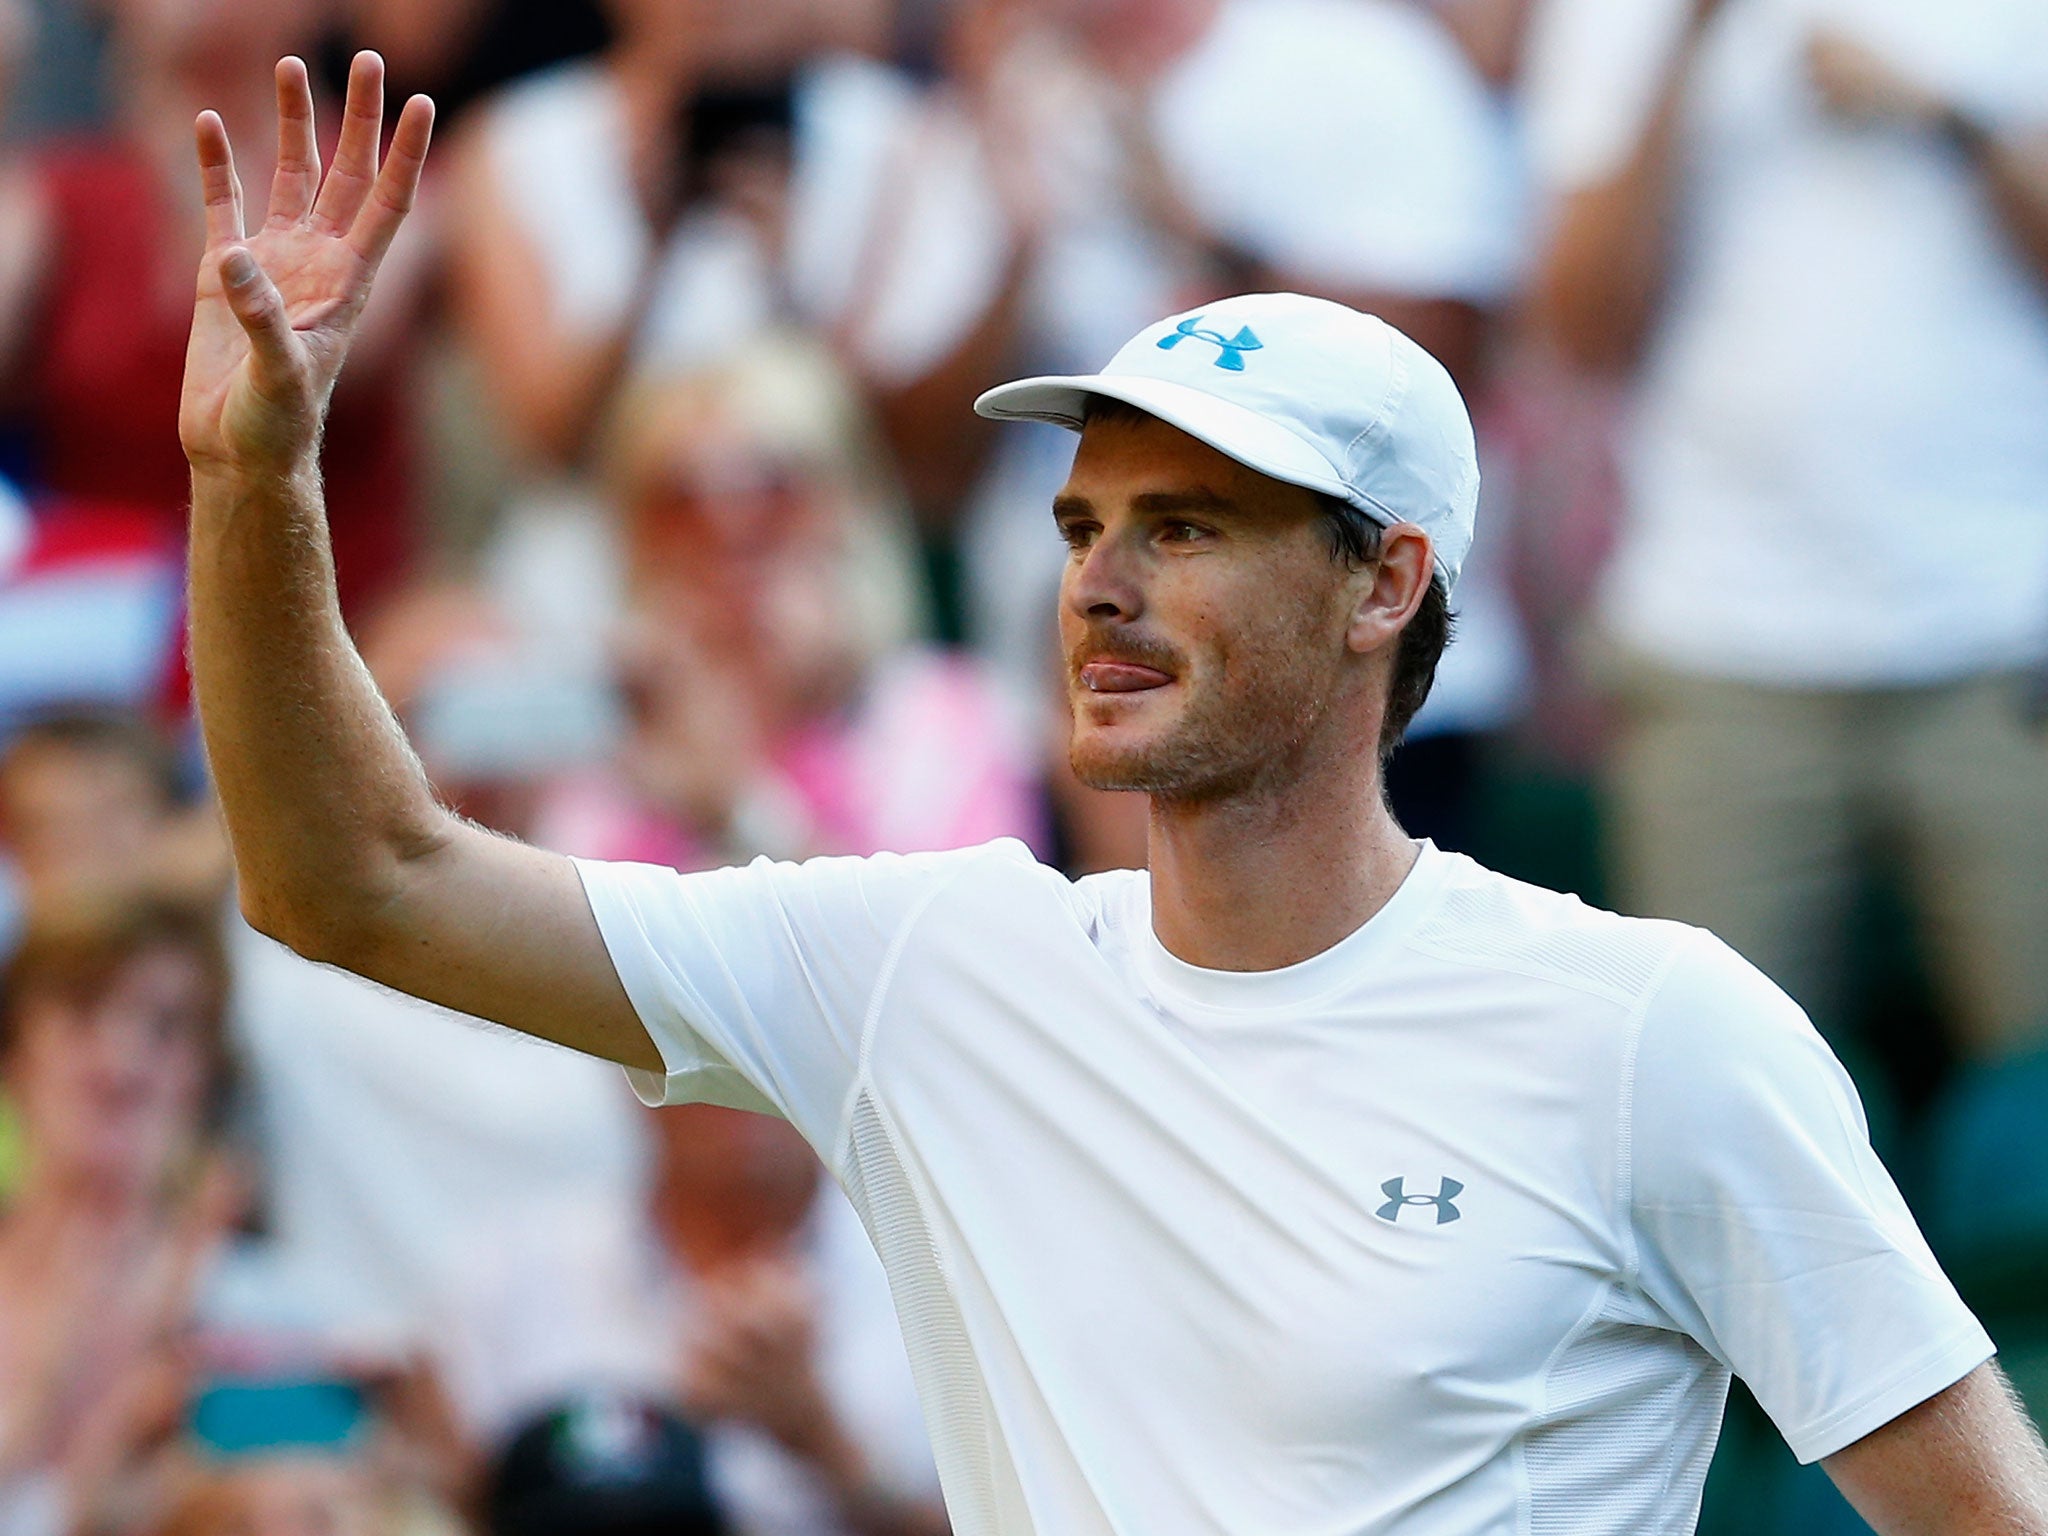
103	373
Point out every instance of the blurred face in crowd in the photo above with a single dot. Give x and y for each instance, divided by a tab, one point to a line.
758	38
1203	616
1133	37
744	542
111	1082
77	817
741	1168
282	1496
212	40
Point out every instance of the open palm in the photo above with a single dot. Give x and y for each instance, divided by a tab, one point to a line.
276	310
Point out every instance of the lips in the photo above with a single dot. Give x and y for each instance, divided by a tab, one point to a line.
1121	677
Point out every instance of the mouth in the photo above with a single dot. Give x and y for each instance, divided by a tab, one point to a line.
1121	677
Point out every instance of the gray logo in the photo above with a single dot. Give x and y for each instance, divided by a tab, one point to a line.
1447	1190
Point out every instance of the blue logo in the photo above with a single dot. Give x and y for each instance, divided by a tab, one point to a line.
1230	350
1447	1190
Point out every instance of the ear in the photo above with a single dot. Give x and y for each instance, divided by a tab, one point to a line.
1390	589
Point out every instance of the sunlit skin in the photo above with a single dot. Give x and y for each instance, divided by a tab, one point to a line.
1222	659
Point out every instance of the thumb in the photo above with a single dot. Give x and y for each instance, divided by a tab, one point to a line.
259	307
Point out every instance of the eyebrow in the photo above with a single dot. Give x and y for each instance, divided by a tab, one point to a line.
1155	502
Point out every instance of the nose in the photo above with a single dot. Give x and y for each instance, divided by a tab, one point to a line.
1106	581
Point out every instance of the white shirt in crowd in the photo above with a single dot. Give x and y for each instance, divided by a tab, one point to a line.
576	1297
394	1133
1837	469
1458	1227
1347	144
893	237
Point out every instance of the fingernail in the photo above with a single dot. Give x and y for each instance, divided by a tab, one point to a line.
238	269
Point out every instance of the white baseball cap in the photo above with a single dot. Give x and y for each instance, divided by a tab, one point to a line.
1301	389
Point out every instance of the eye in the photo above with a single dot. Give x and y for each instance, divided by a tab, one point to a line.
1078	533
1175	531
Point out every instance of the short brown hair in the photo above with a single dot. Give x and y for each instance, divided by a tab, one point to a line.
1355	539
74	950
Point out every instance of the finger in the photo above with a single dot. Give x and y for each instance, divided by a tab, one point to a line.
219	186
398	184
260	308
355	156
298	153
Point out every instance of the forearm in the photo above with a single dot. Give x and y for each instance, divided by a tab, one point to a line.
324	800
1602	275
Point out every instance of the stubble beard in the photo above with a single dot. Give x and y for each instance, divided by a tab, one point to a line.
1243	735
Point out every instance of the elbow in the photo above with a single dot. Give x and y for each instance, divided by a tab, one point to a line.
303	927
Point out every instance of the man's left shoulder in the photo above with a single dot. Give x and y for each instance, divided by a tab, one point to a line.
1486	919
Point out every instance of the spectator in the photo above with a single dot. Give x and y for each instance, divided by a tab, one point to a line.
1818	250
767	546
388	1128
748	1295
96	257
112	1049
91	804
706	177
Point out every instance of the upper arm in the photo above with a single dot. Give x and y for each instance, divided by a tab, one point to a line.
1763	1224
501	930
1965	1460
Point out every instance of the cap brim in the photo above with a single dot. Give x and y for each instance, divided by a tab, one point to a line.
1231	429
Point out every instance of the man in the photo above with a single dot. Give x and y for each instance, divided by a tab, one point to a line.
1815	239
1316	1181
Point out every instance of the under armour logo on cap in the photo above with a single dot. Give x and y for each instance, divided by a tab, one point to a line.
1447	1190
1230	350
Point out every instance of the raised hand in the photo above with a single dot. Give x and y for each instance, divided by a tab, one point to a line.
276	310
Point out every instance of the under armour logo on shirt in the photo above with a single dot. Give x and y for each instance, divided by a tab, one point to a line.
1447	1190
1230	350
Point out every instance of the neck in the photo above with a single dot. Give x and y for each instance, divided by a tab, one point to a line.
1278	874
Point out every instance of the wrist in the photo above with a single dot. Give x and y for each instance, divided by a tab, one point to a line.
236	479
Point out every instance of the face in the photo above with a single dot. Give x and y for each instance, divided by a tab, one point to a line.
78	819
1204	619
753	1168
213	40
111	1089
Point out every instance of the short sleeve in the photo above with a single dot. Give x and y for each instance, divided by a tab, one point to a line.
755	983
1765	1226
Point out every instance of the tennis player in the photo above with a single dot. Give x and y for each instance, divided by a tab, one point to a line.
1314	1182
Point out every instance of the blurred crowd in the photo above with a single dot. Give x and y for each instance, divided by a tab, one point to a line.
661	517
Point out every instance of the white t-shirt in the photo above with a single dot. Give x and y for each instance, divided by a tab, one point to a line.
576	1297
1457	1228
1837	468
